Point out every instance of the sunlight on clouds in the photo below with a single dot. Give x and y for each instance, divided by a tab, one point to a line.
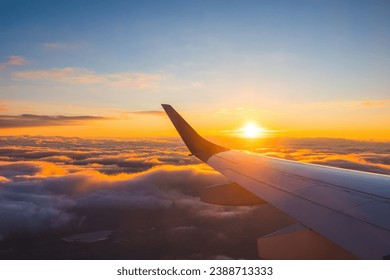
3	180
61	185
59	158
51	169
33	168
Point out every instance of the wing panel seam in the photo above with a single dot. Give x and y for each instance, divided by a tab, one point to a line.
325	184
306	199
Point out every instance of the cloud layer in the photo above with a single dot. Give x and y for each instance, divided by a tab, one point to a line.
143	191
73	75
30	120
40	196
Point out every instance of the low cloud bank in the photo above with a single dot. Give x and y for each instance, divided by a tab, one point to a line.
31	201
145	192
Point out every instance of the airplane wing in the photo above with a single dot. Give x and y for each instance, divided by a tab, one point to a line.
340	213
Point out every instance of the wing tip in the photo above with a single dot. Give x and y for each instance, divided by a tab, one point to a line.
197	145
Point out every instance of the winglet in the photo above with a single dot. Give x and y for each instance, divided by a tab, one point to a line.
197	145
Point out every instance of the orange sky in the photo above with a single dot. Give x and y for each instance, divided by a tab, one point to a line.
354	121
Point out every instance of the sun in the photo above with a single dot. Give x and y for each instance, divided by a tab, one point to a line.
252	130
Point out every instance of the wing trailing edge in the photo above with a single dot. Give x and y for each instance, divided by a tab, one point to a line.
297	242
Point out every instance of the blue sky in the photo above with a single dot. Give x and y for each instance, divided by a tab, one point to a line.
196	54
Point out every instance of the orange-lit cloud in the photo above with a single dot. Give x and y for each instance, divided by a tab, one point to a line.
32	168
13	60
71	202
151	186
29	186
16	60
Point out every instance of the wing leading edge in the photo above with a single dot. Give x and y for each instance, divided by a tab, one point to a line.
197	145
349	209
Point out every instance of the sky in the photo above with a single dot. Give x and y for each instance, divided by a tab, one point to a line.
307	68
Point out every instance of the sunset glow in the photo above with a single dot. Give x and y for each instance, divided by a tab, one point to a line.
65	76
252	130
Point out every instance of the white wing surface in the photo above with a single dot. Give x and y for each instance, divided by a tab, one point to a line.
341	213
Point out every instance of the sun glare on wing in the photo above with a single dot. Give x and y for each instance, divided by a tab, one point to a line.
252	130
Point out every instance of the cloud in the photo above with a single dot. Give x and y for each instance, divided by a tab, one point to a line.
156	211
33	212
16	60
13	60
143	191
37	195
118	156
30	120
62	189
72	75
20	168
64	75
64	159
